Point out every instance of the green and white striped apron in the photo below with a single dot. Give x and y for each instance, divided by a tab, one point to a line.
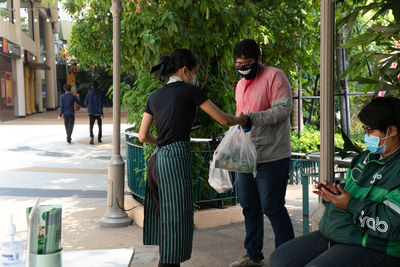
174	174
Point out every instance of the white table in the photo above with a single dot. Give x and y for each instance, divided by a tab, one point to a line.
98	258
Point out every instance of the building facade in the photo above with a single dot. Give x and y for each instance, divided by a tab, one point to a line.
28	81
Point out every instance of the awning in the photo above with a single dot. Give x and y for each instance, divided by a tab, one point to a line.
9	48
40	66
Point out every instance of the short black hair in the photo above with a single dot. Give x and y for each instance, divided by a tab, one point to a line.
95	84
247	48
381	112
67	87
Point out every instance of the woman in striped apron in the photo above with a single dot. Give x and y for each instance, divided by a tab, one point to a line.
168	215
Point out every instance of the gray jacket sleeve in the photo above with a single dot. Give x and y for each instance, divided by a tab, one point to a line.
279	112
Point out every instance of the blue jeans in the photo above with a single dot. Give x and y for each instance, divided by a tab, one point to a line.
265	195
313	250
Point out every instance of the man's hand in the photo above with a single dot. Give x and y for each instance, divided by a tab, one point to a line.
242	119
58	118
339	200
101	117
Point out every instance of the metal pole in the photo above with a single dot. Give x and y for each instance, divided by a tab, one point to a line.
346	94
114	215
300	106
306	208
347	107
300	111
327	99
313	100
327	88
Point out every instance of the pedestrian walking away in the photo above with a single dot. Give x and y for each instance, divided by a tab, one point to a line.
168	207
264	96
67	110
94	104
361	221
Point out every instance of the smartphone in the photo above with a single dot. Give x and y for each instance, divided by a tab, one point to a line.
325	187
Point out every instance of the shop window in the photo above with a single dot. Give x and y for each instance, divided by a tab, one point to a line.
6	10
25	13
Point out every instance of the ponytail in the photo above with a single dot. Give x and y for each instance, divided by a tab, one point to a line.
170	64
164	67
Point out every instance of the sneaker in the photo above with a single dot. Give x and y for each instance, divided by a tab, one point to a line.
91	141
245	261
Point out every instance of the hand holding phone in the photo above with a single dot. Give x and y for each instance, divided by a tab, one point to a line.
325	187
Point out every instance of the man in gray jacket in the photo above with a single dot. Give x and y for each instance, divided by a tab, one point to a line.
94	103
264	96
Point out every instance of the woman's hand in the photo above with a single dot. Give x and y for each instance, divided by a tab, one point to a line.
339	200
221	117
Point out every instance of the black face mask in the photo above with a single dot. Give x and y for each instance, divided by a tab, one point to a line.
248	71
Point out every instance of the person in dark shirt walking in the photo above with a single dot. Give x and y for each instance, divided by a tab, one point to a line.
94	103
67	110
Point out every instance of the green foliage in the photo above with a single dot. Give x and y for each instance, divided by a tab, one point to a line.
374	43
288	32
349	149
91	36
310	141
150	29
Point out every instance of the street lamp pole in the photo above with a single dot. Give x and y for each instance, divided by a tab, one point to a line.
114	215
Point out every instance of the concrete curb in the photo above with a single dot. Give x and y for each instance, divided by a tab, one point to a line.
202	219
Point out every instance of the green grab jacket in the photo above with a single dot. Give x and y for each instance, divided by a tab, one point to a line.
372	216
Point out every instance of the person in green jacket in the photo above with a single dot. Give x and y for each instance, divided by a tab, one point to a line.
361	222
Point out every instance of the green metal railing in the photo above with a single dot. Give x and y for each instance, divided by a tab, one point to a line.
202	191
305	171
302	171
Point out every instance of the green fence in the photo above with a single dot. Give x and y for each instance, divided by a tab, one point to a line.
302	171
202	191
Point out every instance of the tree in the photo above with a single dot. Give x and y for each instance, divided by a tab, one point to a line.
374	46
150	29
287	32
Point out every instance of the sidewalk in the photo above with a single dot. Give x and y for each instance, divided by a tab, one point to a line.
36	161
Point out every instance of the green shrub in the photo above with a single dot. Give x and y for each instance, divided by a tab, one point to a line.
310	140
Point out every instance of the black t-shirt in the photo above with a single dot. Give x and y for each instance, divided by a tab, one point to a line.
173	108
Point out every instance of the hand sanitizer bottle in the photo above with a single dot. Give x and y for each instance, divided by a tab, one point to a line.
13	248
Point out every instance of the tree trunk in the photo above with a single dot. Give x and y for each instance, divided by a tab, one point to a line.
295	112
342	62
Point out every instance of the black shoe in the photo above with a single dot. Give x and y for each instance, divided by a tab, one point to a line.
69	141
100	140
91	141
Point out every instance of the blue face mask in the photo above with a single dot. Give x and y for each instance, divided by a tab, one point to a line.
372	144
194	80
